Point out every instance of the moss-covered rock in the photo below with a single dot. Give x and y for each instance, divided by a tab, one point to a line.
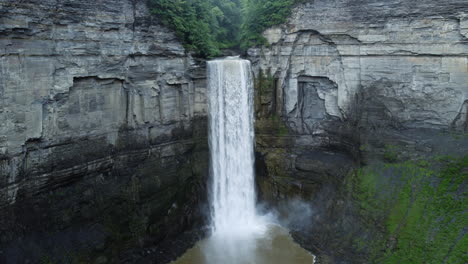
420	207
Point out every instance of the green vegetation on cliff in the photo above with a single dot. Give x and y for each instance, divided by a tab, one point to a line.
259	15
207	26
421	211
204	26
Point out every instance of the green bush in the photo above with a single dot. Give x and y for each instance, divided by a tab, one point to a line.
390	153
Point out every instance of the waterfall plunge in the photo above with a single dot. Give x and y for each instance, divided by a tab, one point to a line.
231	140
239	235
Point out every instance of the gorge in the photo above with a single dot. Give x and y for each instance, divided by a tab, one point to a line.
360	145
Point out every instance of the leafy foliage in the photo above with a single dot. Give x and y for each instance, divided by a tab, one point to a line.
204	26
259	15
207	26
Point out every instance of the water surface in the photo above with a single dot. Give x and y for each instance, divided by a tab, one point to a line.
275	246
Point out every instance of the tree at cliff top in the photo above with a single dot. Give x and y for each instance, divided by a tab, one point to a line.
206	26
259	15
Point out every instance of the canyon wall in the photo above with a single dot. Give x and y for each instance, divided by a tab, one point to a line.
352	84
103	131
103	147
411	56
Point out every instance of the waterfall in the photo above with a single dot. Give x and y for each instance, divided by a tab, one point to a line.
239	234
231	137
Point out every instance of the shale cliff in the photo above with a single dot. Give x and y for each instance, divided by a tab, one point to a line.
351	86
412	57
102	136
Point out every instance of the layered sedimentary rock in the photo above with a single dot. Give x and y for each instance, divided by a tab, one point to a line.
345	83
102	136
411	56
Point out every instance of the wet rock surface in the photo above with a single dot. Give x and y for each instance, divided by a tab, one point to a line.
347	84
103	138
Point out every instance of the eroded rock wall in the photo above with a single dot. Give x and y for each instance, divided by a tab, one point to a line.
412	56
345	83
103	120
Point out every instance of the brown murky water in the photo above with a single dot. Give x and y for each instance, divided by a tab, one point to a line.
275	246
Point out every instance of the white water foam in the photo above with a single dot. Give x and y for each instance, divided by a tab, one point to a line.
239	234
231	138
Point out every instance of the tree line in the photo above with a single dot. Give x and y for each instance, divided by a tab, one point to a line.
208	26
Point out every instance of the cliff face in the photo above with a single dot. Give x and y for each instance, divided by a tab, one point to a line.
409	56
345	83
103	117
103	121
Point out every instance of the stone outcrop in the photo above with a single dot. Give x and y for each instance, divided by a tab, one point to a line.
102	136
411	56
346	83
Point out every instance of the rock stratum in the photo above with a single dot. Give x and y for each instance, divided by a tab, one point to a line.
350	86
412	56
103	137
